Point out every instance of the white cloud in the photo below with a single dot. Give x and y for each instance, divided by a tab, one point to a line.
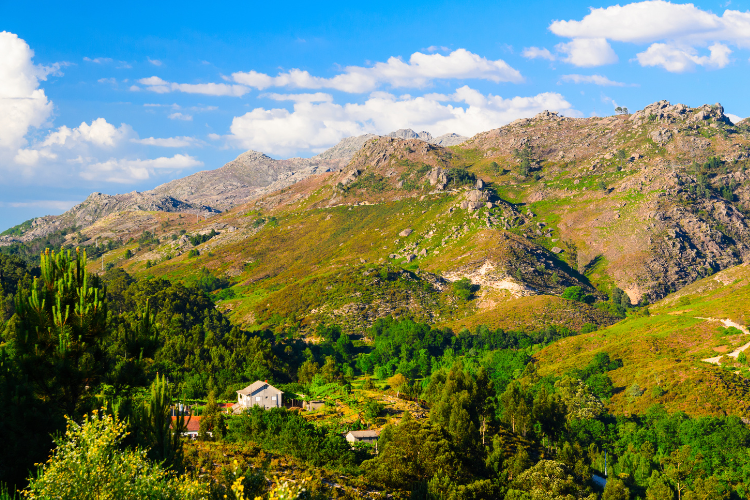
537	53
595	79
587	52
128	171
23	104
167	142
418	72
30	157
112	81
156	84
677	59
316	97
313	127
180	116
435	48
100	133
155	62
678	28
734	118
134	88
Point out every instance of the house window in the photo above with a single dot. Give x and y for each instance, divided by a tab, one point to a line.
257	398
273	398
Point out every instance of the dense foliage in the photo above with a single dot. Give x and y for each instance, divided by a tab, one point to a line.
73	342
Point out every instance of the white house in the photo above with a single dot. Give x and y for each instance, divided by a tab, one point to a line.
363	436
259	394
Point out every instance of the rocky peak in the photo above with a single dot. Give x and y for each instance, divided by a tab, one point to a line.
664	112
548	115
407	133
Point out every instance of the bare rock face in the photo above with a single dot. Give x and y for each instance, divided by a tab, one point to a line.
443	140
406	232
661	136
663	112
438	178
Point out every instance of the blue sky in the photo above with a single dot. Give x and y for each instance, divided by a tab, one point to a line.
112	99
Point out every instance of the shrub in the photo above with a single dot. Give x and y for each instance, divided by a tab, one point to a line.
576	293
193	253
89	462
462	288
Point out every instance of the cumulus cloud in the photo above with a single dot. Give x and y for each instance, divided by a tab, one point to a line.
155	62
673	30
23	104
128	171
99	132
167	142
587	52
677	59
313	127
537	53
734	118
595	79
418	72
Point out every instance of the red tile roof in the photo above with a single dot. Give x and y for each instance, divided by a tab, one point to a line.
193	425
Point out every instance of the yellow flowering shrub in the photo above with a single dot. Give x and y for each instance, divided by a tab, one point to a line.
88	463
283	489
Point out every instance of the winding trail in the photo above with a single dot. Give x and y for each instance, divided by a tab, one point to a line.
727	323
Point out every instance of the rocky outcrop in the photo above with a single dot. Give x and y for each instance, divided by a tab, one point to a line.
443	140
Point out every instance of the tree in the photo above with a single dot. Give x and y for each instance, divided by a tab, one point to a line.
550	479
307	370
658	489
708	489
413	453
516	408
462	288
576	293
616	490
89	464
154	425
212	421
60	323
679	467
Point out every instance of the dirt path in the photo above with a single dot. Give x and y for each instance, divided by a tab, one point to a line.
727	323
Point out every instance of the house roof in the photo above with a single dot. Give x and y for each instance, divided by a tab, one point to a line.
193	425
364	434
255	386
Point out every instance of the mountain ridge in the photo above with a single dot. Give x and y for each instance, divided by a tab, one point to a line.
251	174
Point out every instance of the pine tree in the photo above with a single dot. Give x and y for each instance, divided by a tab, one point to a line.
61	321
212	421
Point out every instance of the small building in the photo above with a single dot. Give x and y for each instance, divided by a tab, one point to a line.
314	404
193	426
259	394
369	437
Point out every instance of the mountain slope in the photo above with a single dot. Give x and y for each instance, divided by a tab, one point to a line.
664	353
